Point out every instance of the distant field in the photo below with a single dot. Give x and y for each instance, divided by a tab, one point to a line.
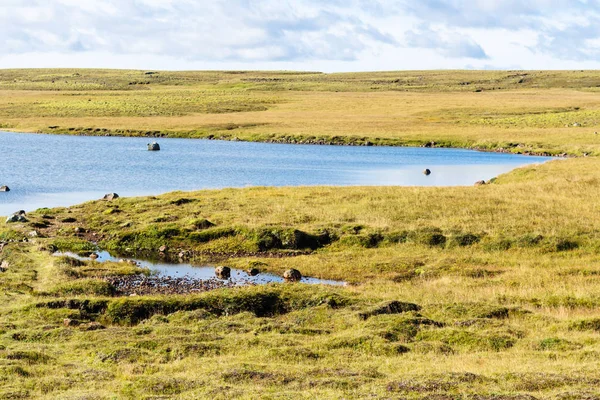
478	293
518	111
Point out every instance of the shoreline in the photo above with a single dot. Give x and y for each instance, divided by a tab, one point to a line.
506	148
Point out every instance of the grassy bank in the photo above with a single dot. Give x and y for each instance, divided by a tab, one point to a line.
484	292
479	292
541	112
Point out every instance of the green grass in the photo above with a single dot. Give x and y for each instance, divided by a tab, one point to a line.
543	112
486	292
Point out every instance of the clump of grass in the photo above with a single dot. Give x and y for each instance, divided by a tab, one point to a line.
74	245
90	287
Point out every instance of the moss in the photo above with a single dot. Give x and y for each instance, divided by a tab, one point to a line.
73	245
428	237
94	287
470	310
366	240
566	245
556	344
261	301
497	244
290	239
30	357
209	234
592	324
471	341
465	239
201	223
391	307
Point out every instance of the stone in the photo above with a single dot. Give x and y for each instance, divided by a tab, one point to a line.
183	254
110	196
223	272
253	271
4	188
427	171
479	183
16	218
4	265
93	256
292	275
153	146
162	249
70	322
33	234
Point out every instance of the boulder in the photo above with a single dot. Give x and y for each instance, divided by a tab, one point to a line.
479	183
110	196
223	272
16	218
153	146
93	256
162	249
4	189
292	275
427	171
4	266
253	271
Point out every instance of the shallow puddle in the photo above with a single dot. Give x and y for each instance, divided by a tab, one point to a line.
204	273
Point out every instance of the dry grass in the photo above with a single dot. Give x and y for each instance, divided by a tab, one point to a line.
508	299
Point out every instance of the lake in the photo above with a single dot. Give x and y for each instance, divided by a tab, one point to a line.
56	170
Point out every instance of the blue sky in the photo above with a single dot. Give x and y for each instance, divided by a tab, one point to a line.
335	35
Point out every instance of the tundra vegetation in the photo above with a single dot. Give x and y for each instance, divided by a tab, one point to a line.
483	292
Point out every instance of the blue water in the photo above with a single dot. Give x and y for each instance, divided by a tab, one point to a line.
204	272
55	170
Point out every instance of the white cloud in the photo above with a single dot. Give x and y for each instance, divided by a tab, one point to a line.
301	34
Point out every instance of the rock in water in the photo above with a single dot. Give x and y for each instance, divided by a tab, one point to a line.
110	196
427	171
153	146
4	189
292	275
223	272
253	271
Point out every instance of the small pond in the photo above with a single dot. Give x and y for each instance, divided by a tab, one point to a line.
204	273
55	170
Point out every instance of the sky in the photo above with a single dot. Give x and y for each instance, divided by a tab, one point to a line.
308	35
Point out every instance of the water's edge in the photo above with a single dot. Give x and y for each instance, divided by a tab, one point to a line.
513	148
